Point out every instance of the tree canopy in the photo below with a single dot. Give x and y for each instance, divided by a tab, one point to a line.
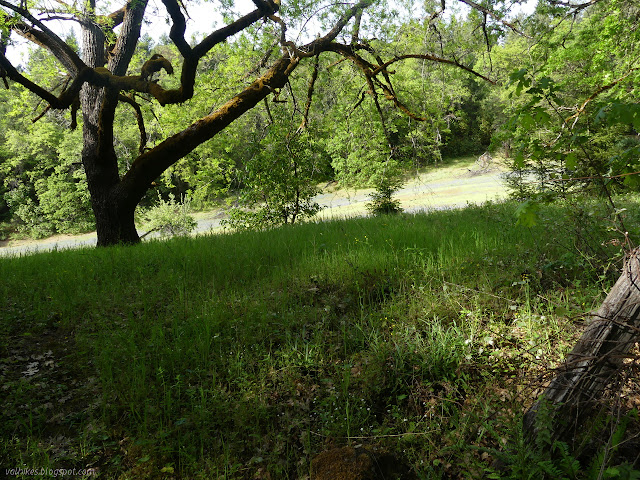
105	70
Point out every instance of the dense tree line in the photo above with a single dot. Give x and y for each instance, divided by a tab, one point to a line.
556	96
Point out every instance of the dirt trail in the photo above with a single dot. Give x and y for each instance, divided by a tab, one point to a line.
439	189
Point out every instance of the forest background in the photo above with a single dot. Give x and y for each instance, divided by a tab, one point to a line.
539	79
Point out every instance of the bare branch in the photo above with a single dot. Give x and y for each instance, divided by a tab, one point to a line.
98	76
269	116
193	56
262	63
383	122
42	114
63	101
432	58
356	27
363	95
288	45
113	19
45	38
64	84
178	28
437	13
333	33
316	46
75	106
576	6
595	94
223	33
371	71
496	17
153	162
139	119
268	7
312	83
4	39
128	37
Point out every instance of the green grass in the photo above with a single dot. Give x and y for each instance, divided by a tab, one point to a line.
244	355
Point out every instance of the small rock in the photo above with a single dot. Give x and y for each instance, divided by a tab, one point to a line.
349	463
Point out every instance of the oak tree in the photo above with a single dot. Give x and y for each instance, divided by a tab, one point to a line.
99	79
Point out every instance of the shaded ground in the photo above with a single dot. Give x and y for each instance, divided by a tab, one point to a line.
452	186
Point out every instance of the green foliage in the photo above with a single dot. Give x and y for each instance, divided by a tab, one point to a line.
574	122
349	139
279	183
169	217
382	201
244	355
527	213
45	188
544	457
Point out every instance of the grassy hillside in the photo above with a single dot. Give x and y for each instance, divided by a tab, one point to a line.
245	355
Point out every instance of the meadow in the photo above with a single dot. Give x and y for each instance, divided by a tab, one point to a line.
244	355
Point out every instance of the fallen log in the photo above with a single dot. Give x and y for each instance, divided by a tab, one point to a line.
595	360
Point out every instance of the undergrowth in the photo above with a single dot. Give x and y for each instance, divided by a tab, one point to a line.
245	355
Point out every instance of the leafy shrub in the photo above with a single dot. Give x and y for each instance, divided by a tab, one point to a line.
382	201
279	184
170	217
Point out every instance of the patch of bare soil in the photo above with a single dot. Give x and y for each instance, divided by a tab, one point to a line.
21	242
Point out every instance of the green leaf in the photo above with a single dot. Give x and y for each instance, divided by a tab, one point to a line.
542	116
527	213
632	181
571	161
517	75
527	121
546	83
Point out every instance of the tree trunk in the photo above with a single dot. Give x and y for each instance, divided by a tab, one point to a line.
114	217
595	360
112	207
113	210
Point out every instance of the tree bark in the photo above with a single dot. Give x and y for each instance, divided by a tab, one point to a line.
114	212
114	215
595	360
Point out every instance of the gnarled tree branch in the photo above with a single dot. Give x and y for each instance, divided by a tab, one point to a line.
371	71
44	37
153	162
139	119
